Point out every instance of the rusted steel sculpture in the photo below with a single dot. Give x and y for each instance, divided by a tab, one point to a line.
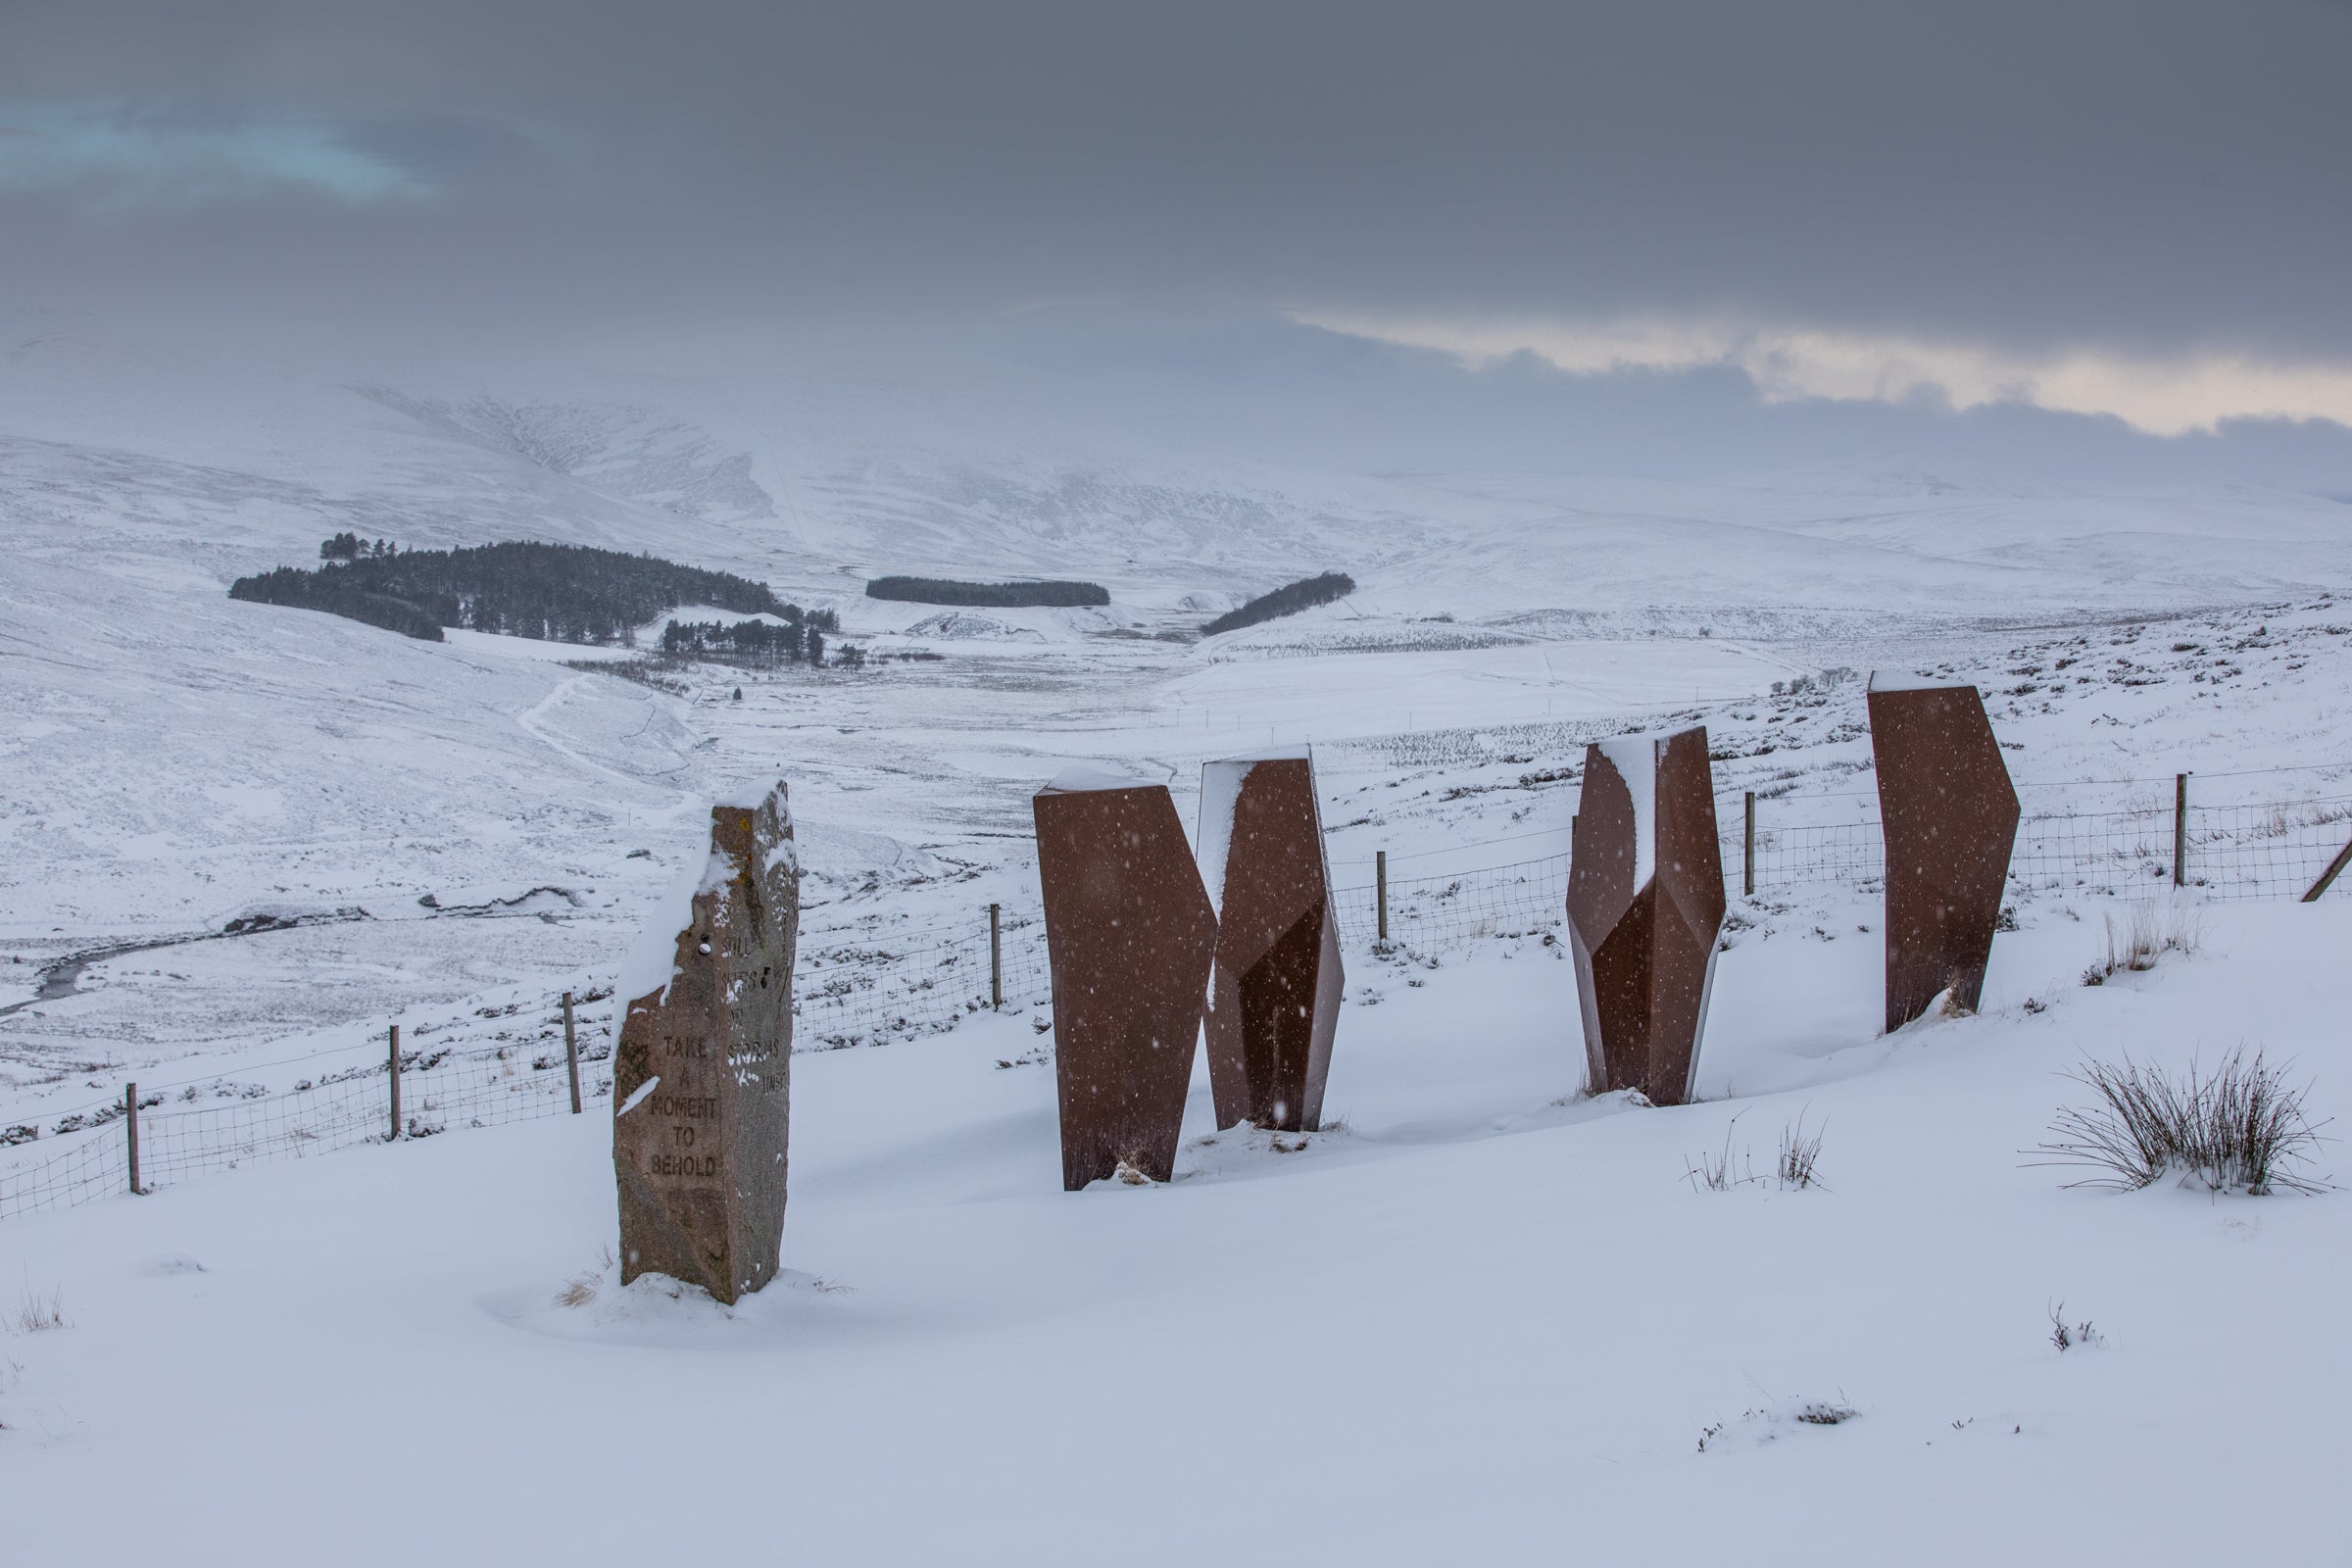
1950	814
702	1076
1644	906
1131	935
1274	1002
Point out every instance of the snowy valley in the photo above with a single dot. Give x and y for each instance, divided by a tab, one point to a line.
1481	1313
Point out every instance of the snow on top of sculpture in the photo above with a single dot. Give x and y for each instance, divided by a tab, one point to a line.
650	961
1083	778
1900	680
1636	759
1222	783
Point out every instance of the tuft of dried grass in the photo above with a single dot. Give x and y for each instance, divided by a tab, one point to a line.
2241	1127
1720	1173
580	1289
38	1313
1798	1155
2066	1336
2151	931
1794	1171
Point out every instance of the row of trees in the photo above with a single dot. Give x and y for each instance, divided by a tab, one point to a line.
987	595
350	547
801	638
558	592
1287	600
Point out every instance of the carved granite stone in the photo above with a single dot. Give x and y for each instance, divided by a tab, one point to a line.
702	1077
1646	904
1131	936
1274	1002
1949	814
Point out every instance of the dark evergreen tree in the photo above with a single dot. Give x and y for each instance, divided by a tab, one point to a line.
986	595
1287	600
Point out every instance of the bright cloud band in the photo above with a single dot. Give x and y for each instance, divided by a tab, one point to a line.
2163	395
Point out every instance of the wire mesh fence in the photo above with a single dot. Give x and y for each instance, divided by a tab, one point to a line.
96	1165
1428	911
440	1090
2270	850
861	988
851	990
2265	851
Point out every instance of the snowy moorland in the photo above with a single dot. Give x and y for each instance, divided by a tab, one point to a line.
1482	1312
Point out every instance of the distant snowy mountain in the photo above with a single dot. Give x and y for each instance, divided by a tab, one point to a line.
627	453
818	485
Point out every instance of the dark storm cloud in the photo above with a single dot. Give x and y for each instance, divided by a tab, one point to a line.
2140	173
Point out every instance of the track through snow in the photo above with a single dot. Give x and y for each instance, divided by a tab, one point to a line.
530	721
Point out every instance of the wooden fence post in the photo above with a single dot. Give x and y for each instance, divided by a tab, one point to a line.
996	957
2179	830
2335	868
571	1054
1380	881
130	1131
395	1071
1747	854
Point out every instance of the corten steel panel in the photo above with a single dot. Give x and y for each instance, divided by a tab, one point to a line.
1130	935
1274	1002
1949	814
702	1075
1646	905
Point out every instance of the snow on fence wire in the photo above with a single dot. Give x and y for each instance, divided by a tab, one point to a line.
861	988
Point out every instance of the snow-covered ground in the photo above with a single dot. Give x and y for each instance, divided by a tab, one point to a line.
1486	1315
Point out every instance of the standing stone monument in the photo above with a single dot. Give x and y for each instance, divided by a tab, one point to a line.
1646	904
1131	935
1949	814
702	1079
1274	1004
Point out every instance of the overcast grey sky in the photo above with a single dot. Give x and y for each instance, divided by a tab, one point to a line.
2153	181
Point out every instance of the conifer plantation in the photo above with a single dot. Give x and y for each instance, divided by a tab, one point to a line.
987	595
557	593
1287	600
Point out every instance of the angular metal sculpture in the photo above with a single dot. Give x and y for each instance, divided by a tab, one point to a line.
1274	1002
1950	814
1646	904
1131	935
702	1077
